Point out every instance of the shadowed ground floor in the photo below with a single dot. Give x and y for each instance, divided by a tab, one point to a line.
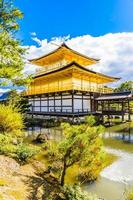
76	104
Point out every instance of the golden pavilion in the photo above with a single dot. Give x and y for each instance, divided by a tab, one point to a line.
65	86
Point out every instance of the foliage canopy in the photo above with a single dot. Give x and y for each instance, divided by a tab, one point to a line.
11	52
81	145
11	121
9	16
126	86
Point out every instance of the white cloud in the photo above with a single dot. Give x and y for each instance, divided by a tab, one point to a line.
114	50
33	33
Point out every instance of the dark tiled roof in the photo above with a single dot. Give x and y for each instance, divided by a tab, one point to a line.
113	96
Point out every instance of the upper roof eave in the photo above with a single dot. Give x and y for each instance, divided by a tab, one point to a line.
79	66
63	45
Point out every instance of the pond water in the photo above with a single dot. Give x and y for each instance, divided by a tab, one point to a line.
114	179
122	132
106	189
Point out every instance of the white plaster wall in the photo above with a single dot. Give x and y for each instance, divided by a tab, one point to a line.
58	102
66	109
87	104
44	103
36	108
77	104
37	103
51	103
67	102
44	109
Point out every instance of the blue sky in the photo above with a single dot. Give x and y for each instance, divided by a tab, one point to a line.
53	18
98	28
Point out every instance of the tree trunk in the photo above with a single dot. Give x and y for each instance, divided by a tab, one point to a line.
63	173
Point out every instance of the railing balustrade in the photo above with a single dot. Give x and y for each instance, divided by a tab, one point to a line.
78	111
43	89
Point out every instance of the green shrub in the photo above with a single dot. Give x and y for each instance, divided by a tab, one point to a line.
24	152
5	139
90	120
75	193
68	192
6	145
93	169
11	121
21	152
8	149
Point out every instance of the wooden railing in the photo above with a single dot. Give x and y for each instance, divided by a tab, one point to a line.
65	87
61	112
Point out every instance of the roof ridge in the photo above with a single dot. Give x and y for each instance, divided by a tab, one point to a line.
66	46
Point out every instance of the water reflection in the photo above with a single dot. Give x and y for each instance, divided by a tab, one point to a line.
54	133
126	134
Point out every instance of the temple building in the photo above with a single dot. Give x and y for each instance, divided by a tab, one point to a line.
65	86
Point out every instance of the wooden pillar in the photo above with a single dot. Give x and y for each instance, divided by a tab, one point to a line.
102	105
108	112
73	102
82	103
32	111
73	106
122	111
129	116
95	105
40	103
108	106
54	102
33	106
33	103
91	101
61	102
48	103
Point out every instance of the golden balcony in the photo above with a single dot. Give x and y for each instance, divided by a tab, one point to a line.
34	90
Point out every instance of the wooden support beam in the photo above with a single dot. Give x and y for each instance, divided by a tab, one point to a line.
40	103
72	102
48	103
129	115
102	105
61	102
122	111
54	102
82	103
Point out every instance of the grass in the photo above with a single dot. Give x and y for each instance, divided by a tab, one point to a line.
118	144
110	158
